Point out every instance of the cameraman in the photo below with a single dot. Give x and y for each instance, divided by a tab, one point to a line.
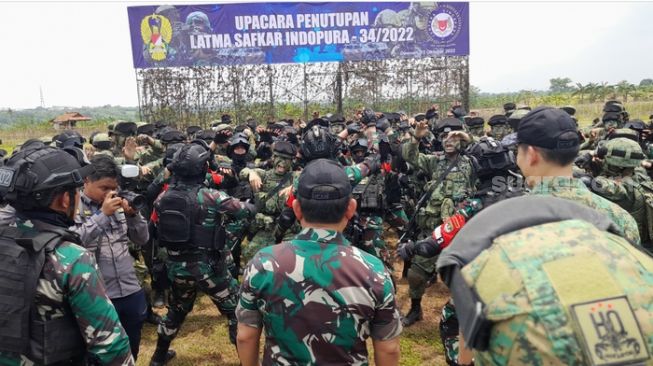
106	224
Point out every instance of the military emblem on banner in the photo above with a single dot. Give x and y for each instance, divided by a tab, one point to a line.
156	32
444	23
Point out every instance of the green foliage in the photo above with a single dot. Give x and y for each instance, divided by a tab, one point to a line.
560	85
28	117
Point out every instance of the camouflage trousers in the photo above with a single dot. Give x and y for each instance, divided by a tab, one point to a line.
396	217
261	239
208	276
449	331
421	275
372	240
235	230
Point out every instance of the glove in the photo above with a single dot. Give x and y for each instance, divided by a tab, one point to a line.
444	234
373	163
406	250
353	128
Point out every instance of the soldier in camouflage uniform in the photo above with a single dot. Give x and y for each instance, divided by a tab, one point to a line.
69	304
267	184
453	174
475	127
620	184
190	223
318	297
499	127
557	285
548	145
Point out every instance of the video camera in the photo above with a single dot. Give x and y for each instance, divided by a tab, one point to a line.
128	172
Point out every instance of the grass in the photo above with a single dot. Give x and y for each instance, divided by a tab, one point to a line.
203	339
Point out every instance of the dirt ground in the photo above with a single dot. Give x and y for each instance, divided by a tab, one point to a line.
203	338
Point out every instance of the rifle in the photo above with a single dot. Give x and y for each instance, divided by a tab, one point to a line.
422	200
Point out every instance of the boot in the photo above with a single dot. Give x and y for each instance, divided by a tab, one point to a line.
414	314
162	353
233	330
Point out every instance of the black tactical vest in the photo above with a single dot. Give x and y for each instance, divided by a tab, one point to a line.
180	222
22	257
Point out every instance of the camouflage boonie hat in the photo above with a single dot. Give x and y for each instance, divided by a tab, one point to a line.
624	153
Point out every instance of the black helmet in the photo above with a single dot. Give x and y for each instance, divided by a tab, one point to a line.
206	135
358	144
491	157
125	128
170	152
319	142
284	149
449	124
69	138
170	136
239	139
368	117
192	130
30	177
190	161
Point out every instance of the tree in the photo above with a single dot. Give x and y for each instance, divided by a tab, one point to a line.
581	90
646	82
560	85
624	88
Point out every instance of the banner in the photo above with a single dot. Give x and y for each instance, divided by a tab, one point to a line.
260	33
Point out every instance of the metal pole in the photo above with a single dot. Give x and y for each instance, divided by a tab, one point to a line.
305	94
271	86
465	83
339	89
138	92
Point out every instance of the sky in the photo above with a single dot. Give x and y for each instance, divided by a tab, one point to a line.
79	53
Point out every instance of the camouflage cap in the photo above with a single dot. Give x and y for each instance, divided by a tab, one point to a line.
222	127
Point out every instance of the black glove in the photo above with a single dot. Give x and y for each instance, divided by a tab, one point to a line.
406	250
583	161
373	163
353	128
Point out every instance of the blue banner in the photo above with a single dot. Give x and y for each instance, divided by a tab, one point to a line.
260	33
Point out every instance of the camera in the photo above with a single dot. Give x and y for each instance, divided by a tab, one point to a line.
135	200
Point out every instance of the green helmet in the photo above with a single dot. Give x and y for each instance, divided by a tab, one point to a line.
624	153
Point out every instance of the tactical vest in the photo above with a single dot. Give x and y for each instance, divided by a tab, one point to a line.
587	277
180	222
369	195
22	257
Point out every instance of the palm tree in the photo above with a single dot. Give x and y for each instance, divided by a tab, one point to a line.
593	89
580	90
625	88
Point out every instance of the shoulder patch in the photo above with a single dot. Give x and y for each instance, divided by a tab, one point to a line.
611	334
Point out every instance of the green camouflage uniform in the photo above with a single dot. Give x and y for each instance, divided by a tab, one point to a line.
454	188
70	282
150	153
269	208
574	190
319	299
566	301
193	268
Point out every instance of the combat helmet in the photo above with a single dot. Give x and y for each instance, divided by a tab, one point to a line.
102	141
190	161
32	176
239	139
622	152
490	157
319	142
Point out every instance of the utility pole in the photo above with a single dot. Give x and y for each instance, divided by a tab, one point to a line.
41	94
